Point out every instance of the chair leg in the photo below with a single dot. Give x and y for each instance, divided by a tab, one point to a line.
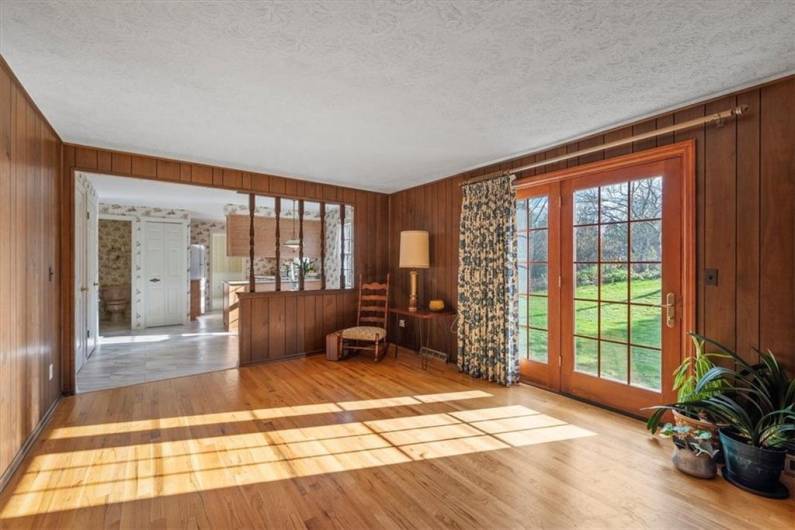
375	349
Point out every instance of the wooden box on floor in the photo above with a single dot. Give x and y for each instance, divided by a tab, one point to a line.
333	352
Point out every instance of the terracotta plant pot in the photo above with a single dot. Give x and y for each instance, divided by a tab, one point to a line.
682	420
701	466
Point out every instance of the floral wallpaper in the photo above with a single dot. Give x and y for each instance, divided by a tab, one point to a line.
143	211
262	266
331	263
115	253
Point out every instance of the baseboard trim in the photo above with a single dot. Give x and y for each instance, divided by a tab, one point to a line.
9	473
285	358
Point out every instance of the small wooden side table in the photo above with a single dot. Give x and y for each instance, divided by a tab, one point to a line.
425	318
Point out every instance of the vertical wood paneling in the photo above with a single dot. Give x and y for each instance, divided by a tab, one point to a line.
168	170
720	215
748	213
143	166
777	223
275	326
29	224
698	135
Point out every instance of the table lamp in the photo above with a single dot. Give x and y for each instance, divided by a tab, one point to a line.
413	255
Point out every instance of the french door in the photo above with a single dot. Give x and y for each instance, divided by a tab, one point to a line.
603	260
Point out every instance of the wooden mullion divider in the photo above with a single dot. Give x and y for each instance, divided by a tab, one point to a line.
322	246
278	244
300	244
342	246
252	205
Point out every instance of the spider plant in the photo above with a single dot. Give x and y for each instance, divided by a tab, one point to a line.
686	377
756	402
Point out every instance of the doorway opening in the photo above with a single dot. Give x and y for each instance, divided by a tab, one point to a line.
146	257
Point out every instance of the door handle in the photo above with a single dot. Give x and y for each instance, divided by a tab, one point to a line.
83	289
154	280
670	310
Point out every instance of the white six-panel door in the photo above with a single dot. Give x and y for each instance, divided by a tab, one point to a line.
165	273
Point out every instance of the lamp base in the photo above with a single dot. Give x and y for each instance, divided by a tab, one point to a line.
413	291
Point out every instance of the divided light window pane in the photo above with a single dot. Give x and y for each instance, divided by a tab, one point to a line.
289	245
312	264
264	244
618	261
532	219
332	261
347	258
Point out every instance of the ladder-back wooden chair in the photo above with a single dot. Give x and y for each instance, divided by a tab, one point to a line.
371	320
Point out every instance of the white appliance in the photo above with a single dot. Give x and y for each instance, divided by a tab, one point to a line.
198	271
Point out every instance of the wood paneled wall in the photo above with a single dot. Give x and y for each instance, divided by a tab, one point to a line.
281	325
370	218
745	217
30	152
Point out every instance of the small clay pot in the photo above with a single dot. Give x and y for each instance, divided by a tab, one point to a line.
701	466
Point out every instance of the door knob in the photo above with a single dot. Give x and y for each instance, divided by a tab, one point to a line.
154	280
670	310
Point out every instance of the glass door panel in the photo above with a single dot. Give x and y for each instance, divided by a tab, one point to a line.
616	265
537	225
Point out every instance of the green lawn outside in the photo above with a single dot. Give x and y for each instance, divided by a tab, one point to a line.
642	325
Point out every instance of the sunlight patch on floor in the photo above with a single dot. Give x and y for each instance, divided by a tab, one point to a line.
92	477
133	339
257	414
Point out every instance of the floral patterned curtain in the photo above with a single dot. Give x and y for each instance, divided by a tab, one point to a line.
487	278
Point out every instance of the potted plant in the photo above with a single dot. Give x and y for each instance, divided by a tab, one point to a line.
755	408
686	377
694	452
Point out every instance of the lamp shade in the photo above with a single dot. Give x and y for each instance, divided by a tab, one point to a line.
414	249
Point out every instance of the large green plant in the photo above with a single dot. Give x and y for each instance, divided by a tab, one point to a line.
694	367
756	401
686	377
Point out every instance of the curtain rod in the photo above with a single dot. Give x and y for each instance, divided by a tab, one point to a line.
716	118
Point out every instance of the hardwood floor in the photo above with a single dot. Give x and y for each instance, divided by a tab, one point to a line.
309	443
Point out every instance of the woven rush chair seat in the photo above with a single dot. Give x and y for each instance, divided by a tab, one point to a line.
364	333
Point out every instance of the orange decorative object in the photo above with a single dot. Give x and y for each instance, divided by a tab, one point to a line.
436	305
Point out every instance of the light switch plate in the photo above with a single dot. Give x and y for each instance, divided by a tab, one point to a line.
402	323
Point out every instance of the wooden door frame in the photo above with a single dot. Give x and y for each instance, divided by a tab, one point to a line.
683	153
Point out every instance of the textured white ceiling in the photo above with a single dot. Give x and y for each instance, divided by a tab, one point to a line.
378	95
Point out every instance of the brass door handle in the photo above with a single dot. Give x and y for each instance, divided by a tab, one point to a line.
670	310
